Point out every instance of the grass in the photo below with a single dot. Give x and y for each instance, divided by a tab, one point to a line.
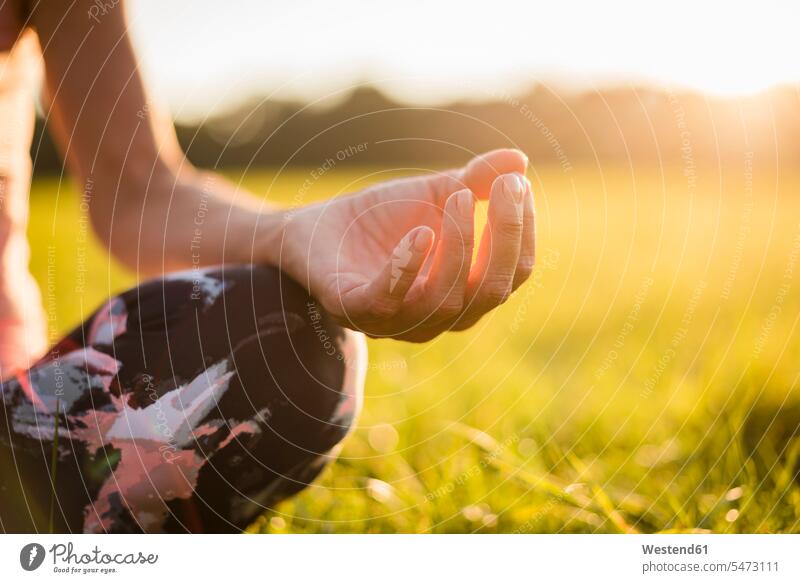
645	380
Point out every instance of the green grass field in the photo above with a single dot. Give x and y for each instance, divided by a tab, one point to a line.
646	379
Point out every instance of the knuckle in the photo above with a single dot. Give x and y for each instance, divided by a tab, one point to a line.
466	323
510	228
450	309
453	238
496	296
524	269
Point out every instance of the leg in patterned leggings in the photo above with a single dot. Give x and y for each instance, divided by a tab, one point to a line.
186	404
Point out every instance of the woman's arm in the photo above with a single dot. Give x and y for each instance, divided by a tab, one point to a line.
363	256
153	210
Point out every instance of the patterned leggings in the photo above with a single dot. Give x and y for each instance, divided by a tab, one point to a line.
187	404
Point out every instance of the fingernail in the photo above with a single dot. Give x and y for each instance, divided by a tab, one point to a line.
422	239
512	186
464	202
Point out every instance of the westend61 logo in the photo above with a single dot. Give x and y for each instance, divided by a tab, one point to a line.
67	560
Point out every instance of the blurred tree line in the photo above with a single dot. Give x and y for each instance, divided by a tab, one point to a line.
627	125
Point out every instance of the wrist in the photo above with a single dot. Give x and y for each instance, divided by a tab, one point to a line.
268	243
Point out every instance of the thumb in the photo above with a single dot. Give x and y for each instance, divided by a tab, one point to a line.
384	295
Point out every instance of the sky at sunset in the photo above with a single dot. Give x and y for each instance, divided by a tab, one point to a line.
203	55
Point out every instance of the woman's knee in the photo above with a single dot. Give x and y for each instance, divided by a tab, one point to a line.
296	395
296	368
293	390
214	393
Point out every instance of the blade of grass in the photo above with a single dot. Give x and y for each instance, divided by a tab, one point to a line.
603	499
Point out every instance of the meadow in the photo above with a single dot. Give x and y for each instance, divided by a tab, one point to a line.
645	380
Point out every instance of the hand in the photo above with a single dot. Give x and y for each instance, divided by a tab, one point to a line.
395	260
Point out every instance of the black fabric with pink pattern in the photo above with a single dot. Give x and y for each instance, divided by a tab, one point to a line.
186	404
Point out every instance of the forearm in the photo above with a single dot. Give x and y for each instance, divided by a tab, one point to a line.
189	219
151	208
